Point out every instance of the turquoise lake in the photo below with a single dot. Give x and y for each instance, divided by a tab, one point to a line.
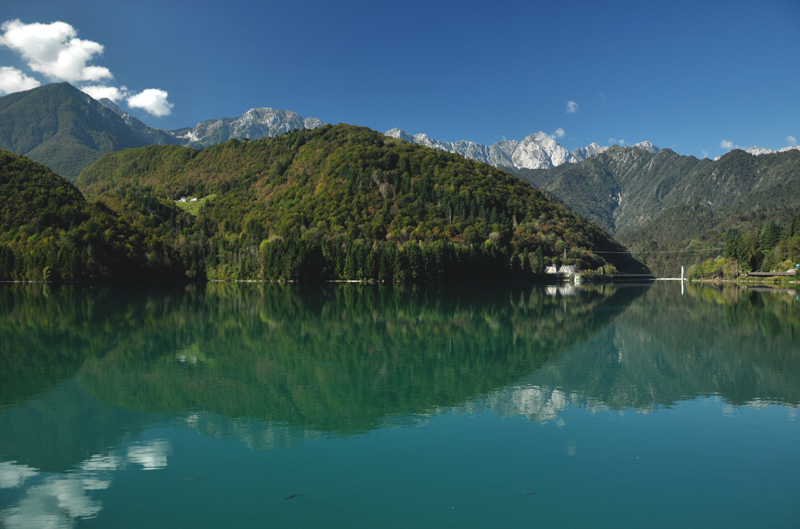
474	405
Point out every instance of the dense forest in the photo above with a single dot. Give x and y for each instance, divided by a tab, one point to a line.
342	203
775	248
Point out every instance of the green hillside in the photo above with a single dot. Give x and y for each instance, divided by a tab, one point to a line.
61	127
48	231
345	202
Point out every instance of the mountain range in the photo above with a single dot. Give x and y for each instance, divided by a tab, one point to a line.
67	130
536	151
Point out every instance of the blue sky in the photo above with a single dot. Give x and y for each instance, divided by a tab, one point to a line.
697	77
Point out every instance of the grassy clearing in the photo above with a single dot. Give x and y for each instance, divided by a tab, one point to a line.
193	207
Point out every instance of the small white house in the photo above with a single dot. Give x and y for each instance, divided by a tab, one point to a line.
565	272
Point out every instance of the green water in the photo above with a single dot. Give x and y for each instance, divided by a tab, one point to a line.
471	405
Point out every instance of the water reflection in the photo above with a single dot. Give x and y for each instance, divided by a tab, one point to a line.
88	373
59	500
273	364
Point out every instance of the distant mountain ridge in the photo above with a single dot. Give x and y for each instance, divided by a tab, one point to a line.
62	127
758	151
253	124
536	151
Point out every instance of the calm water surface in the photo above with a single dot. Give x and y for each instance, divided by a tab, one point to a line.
363	406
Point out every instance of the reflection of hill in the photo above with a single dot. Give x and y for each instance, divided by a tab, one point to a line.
341	357
738	344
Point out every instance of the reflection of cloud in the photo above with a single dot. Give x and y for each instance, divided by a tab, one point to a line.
98	462
256	434
151	456
571	448
58	501
55	503
14	475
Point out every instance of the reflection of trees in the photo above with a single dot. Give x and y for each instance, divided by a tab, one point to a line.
47	332
340	357
665	347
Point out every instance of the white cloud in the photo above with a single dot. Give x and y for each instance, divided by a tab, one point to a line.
572	107
791	140
152	455
704	153
621	142
726	144
54	50
13	80
153	101
559	133
108	92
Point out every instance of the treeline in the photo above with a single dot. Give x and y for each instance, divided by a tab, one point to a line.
296	259
774	248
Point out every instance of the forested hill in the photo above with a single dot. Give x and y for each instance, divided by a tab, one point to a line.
346	202
48	231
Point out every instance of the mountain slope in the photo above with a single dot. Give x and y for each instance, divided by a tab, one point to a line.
625	189
61	127
666	202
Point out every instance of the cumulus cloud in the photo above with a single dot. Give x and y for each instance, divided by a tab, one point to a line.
572	107
106	92
791	140
704	153
153	101
13	80
54	50
726	144
559	133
